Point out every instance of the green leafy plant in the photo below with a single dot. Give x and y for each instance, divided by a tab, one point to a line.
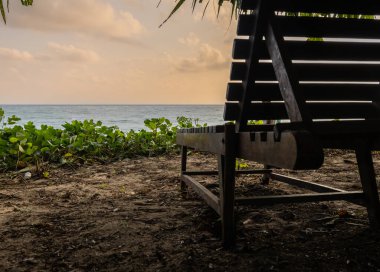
240	165
82	141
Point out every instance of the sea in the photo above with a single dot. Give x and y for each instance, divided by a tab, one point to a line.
126	117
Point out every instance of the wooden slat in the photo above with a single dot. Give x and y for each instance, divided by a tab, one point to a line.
265	111
211	142
317	27
351	127
318	92
238	70
211	199
241	49
334	51
253	172
201	173
343	110
300	198
318	50
312	186
314	72
237	172
209	129
323	6
275	111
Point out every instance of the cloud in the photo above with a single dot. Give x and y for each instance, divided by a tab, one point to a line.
71	53
207	57
190	40
14	54
89	17
54	51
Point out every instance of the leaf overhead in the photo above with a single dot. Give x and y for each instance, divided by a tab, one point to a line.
194	4
2	9
177	6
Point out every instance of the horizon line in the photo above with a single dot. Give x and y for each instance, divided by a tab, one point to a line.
90	104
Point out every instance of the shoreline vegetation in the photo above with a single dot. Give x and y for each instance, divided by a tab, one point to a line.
78	142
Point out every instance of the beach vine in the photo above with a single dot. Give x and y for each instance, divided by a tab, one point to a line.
78	142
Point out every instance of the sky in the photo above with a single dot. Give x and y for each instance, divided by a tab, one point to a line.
113	52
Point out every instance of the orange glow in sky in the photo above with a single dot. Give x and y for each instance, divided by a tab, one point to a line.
113	52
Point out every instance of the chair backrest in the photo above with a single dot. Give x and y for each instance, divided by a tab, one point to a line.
326	66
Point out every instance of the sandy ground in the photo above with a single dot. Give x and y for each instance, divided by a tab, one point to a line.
130	216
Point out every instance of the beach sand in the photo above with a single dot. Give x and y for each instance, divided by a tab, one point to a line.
130	216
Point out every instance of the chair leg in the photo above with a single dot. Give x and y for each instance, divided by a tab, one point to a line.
227	199
183	166
368	180
265	179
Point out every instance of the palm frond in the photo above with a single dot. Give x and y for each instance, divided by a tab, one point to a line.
2	10
194	4
179	4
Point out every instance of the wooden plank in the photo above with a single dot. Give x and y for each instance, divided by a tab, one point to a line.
300	198
209	129
368	180
319	92
239	69
253	172
211	199
287	79
343	110
321	6
334	51
212	142
312	186
317	27
201	173
264	111
350	72
358	127
241	49
317	50
277	111
353	128
295	150
237	172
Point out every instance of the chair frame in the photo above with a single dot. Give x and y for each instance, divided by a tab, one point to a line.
295	145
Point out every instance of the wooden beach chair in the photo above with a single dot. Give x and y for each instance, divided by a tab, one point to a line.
326	91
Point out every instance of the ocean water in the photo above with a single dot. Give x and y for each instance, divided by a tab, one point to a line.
126	117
